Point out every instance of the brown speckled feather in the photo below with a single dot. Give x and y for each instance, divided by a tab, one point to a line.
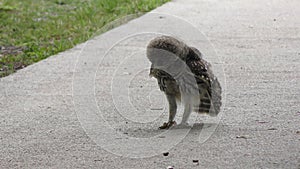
209	86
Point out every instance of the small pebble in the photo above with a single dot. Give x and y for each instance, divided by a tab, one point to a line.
196	162
170	167
244	137
166	153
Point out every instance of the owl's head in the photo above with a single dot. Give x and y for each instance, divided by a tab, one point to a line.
167	54
166	48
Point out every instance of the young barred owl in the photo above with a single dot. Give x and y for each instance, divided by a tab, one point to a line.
184	76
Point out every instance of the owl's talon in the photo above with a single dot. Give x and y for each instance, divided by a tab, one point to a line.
167	125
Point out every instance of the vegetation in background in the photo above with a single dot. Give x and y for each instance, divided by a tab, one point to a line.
31	30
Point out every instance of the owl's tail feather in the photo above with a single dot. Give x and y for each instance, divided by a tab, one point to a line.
216	96
210	102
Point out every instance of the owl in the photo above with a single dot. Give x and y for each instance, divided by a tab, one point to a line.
185	77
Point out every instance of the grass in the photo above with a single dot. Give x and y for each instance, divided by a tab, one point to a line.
32	30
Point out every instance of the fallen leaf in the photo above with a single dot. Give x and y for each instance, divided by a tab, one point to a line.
272	128
159	108
262	122
244	137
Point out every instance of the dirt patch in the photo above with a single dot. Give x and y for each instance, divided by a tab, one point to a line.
11	50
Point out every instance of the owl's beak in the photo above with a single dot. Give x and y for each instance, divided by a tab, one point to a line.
151	72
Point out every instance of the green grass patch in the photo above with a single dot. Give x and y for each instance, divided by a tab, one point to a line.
32	30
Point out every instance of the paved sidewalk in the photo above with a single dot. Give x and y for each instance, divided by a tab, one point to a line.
49	111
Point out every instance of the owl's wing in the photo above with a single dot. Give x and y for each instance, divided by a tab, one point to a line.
208	85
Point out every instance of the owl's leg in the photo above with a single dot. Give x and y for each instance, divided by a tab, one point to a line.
172	107
186	114
172	112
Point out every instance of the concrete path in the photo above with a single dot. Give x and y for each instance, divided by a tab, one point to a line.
94	106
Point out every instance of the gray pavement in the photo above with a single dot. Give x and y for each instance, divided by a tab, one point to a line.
81	108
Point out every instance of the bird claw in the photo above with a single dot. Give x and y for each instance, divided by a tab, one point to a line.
167	125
